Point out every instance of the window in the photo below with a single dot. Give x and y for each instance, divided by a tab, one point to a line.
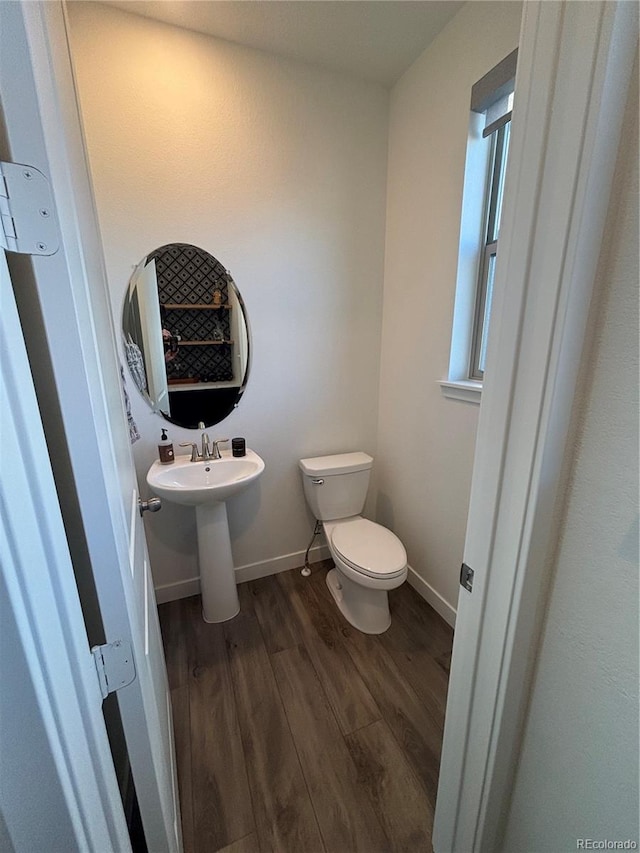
484	178
484	289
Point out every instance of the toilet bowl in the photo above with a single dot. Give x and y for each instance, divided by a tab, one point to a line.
369	559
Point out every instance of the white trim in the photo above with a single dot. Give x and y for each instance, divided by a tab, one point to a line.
177	589
253	571
468	391
250	572
266	568
432	597
574	65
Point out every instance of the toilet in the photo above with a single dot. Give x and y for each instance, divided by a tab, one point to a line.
370	560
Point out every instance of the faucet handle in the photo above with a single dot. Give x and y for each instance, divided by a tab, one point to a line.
194	449
216	449
201	425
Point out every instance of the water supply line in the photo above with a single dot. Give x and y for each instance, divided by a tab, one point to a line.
306	570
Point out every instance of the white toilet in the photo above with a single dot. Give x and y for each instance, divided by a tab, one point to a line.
370	560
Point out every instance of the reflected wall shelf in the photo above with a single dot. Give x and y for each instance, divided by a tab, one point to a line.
185	306
204	343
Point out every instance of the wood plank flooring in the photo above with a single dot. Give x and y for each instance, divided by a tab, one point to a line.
296	733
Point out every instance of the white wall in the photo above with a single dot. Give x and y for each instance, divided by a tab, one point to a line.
279	170
578	770
426	442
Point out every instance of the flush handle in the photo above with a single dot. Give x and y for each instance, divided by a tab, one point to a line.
317	481
151	505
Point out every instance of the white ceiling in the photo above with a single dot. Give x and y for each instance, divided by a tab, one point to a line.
376	40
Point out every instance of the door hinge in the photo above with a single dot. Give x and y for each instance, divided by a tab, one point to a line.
27	212
114	665
466	577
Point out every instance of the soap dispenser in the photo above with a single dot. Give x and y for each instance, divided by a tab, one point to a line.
165	449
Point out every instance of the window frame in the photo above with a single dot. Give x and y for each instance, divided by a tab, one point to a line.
497	169
490	110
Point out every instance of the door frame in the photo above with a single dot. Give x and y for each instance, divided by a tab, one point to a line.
574	66
71	341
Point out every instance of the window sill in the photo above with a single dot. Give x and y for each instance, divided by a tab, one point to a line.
467	391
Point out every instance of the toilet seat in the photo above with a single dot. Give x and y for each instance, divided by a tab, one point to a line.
369	549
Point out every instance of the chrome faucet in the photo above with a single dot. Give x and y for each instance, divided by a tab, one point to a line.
210	449
206	453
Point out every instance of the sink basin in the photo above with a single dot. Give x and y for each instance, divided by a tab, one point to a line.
195	483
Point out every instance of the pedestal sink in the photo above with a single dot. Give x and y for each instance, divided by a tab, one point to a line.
207	485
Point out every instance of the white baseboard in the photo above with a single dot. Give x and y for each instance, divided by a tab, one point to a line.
264	568
253	571
176	590
250	572
432	597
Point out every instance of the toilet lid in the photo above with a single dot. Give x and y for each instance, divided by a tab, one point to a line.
369	548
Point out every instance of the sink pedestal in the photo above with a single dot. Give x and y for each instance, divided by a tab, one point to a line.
217	576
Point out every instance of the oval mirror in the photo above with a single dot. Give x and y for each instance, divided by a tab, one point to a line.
186	335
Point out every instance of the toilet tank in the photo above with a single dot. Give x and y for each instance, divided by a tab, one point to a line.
336	486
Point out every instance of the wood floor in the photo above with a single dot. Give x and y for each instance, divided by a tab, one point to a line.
295	732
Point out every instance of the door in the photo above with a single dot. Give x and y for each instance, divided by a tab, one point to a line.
71	343
51	725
